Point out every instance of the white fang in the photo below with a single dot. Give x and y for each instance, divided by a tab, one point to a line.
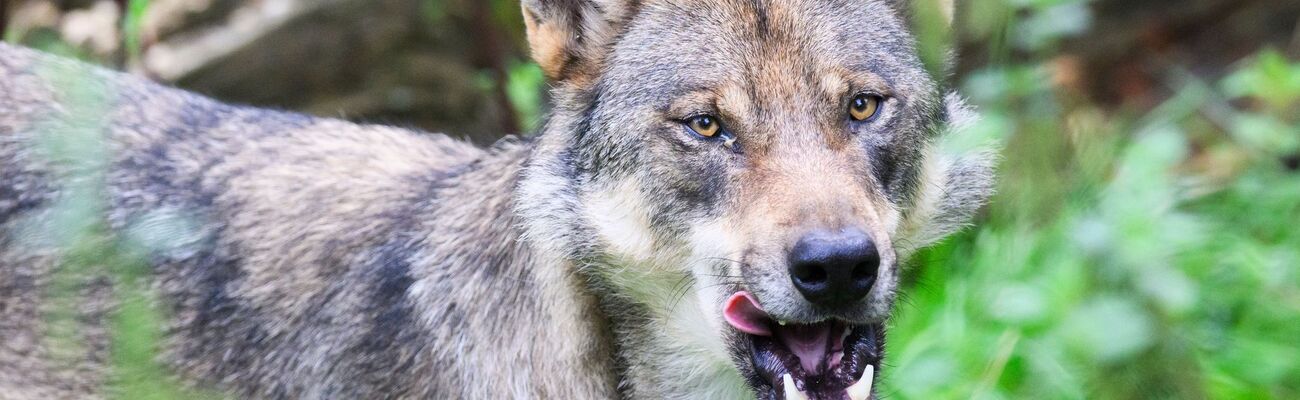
862	389
791	392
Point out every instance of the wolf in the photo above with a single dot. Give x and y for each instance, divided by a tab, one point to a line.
717	207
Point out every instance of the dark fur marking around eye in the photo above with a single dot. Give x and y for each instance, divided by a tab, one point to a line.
894	168
883	165
704	192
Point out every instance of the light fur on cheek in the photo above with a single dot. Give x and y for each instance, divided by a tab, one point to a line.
621	220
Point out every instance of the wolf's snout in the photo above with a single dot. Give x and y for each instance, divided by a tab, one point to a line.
834	269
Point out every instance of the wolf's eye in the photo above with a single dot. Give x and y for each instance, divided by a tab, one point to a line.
865	107
704	125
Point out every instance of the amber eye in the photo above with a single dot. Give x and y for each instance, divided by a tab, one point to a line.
704	125
865	107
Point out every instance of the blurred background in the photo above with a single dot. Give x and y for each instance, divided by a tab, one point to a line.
1143	243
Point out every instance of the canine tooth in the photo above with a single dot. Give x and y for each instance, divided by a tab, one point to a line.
862	389
791	392
780	322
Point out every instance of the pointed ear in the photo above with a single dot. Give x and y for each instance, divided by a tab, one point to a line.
568	38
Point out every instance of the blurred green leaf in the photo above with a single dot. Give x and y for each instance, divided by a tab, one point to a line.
1270	77
131	25
525	84
1109	329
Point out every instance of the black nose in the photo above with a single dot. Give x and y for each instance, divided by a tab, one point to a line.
834	269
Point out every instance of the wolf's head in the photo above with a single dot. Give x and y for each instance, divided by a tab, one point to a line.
740	179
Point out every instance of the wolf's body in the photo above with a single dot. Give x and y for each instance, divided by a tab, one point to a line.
322	259
329	260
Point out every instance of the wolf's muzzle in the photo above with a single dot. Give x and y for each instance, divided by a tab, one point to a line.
834	269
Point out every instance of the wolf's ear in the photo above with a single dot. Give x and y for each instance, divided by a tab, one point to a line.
568	37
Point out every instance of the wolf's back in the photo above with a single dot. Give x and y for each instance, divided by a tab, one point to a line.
263	222
64	117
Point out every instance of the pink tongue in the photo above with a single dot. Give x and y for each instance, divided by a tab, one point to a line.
741	310
808	342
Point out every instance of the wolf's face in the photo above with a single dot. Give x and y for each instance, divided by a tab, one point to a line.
761	158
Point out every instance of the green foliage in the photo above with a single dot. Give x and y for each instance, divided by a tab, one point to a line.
131	25
525	83
1270	84
1031	26
1159	263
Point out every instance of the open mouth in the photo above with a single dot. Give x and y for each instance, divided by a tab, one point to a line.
830	359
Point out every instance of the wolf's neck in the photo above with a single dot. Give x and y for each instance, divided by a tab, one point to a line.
667	345
504	312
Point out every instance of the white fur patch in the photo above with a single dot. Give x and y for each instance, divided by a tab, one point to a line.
621	219
915	231
711	245
697	322
692	348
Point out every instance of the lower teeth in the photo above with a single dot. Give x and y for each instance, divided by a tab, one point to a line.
791	392
860	390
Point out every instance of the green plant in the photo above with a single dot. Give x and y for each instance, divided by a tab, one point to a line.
1149	257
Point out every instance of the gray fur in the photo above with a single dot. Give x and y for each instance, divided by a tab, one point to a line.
315	258
330	261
